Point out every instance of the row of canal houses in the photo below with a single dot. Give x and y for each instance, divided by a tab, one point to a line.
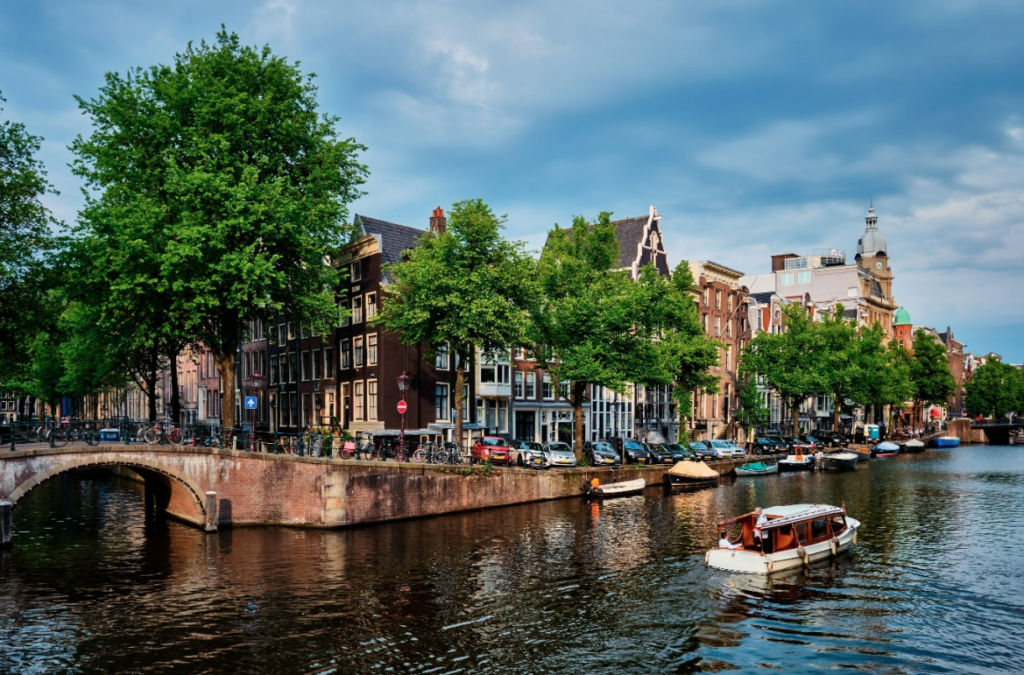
350	377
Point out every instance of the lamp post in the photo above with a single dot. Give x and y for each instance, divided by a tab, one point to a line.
256	380
615	435
403	387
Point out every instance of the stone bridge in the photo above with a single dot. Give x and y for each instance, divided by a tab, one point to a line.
213	488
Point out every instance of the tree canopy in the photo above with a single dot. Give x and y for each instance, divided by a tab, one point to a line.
465	289
217	195
995	389
930	377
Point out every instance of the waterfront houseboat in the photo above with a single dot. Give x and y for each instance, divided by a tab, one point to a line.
620	489
795	535
946	442
688	475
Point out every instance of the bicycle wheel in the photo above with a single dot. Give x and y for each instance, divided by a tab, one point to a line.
421	454
151	435
175	436
61	437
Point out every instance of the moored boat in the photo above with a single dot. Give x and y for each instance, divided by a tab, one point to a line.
886	449
798	462
863	452
688	474
756	469
946	442
794	535
620	489
841	460
913	445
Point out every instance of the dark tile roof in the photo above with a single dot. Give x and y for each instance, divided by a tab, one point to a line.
394	238
629	233
762	298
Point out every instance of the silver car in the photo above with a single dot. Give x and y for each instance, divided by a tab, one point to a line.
528	453
559	454
723	449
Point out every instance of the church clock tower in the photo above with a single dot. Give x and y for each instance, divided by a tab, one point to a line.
875	275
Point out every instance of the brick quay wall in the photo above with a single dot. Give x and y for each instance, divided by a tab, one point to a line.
232	488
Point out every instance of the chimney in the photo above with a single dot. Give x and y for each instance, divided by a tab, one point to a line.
437	221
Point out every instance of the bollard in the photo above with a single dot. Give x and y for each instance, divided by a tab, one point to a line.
6	523
211	512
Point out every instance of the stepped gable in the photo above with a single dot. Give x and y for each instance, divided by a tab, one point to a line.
394	238
630	234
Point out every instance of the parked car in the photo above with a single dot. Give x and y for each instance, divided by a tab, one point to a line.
679	452
635	452
723	449
811	440
659	454
763	445
703	450
832	439
794	443
599	453
528	453
491	448
559	454
738	451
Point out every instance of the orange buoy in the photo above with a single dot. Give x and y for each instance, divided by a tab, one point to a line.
594	482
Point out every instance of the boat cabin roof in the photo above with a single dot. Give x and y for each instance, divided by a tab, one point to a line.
795	513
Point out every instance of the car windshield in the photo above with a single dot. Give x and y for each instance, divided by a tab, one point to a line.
602	447
719	444
528	445
675	447
559	447
633	445
492	441
698	446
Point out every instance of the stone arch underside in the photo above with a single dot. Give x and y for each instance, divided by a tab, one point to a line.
177	494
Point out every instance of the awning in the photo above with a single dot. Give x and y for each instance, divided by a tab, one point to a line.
935	412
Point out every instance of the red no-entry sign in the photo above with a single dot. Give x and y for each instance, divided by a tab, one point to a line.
402	407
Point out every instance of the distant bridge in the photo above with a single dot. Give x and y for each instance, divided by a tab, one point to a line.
999	433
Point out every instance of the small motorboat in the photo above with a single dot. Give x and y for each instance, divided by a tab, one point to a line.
756	469
886	449
841	460
913	445
796	462
946	442
620	489
863	453
687	474
795	535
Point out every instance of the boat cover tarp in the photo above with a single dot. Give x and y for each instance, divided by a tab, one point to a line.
914	443
756	466
693	470
886	446
818	511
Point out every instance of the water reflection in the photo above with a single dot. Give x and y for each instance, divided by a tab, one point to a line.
565	587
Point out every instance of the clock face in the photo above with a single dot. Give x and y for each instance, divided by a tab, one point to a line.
878	264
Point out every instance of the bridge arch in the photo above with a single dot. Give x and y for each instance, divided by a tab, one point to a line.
173	491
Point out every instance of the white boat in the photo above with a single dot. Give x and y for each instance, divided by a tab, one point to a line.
621	489
841	460
795	535
913	445
798	462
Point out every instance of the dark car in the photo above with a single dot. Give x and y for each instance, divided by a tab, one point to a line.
703	450
679	452
600	453
832	439
659	454
635	452
766	445
811	441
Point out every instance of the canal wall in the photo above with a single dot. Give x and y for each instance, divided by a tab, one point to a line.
213	487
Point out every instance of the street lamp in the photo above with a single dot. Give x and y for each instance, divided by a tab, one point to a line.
403	387
256	380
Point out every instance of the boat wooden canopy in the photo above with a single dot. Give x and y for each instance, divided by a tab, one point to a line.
816	511
693	470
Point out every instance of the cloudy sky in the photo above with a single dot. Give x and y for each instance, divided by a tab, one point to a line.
755	127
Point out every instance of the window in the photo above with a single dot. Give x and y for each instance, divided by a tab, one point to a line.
803	277
306	370
441	402
282	334
371	305
294	401
519	384
357	402
371	348
502	415
441	358
546	392
851	292
718	326
307	409
329	363
304	330
346	389
705	296
704	320
728	358
371	400
563	390
531	385
357	346
728	329
504	374
729	303
357	310
346	354
275	372
718	299
786	279
344	316
487	374
291	331
317	365
356	271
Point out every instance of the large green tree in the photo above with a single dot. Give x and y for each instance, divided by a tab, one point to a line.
752	412
843	359
930	376
792	362
25	236
585	329
464	289
219	173
995	389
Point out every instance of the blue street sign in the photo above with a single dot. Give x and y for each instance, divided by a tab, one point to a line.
250	402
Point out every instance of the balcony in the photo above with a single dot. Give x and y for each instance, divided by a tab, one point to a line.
494	389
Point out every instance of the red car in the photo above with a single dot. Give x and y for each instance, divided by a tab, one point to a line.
492	448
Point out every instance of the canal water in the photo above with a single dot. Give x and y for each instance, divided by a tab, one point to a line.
934	586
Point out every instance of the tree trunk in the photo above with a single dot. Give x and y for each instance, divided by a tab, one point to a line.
151	395
796	417
460	378
578	390
835	413
175	393
226	370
